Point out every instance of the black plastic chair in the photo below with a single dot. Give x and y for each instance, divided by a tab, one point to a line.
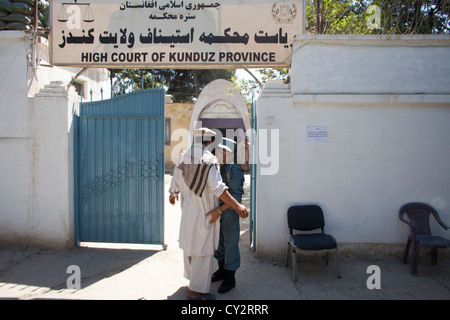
419	223
308	218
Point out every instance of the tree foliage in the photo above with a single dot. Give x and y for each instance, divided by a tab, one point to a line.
185	85
414	17
251	88
397	16
335	16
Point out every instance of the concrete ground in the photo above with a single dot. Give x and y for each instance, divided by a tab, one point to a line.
150	273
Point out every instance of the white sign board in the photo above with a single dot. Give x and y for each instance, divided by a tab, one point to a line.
316	134
174	33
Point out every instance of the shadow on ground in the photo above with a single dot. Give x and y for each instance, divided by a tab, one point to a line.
33	267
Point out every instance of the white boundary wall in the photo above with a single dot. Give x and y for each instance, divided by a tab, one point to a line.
386	103
36	144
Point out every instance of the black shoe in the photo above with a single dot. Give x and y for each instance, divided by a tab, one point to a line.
219	274
229	282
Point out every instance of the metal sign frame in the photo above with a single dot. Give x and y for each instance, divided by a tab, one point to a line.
174	33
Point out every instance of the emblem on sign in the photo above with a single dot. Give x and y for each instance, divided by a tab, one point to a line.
284	12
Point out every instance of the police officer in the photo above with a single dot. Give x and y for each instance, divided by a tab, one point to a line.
227	254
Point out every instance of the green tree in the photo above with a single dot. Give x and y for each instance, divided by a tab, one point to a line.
397	16
336	17
185	85
414	16
251	88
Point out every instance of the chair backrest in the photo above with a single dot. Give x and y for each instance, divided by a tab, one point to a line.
305	218
418	215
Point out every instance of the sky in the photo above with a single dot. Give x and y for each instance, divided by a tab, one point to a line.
243	75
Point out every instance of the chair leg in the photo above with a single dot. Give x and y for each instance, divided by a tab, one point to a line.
287	255
337	264
434	256
294	265
415	258
408	246
326	258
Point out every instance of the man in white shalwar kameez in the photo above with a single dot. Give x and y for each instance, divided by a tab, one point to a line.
197	179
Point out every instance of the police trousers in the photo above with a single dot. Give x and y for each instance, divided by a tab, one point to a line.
228	248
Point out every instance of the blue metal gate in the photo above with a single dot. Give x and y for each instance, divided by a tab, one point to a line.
119	187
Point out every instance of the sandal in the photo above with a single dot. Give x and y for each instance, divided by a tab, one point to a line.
203	296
